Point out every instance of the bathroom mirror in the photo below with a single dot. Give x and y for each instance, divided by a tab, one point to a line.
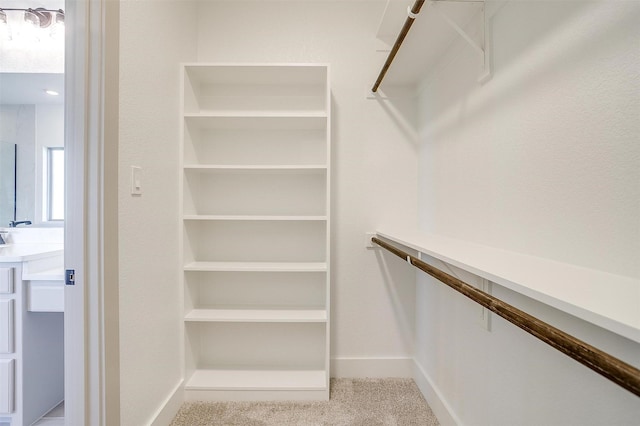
32	122
7	181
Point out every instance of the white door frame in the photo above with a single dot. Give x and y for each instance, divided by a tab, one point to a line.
91	349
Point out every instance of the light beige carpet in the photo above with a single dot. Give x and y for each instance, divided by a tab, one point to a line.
353	402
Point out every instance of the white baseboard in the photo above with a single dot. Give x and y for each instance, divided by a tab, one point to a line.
169	409
443	411
372	367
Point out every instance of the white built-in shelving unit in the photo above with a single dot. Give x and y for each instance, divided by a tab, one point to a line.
255	181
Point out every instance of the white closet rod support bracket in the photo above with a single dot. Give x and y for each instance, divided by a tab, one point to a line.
459	30
410	14
368	243
482	48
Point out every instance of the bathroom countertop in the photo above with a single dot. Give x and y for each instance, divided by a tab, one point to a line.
55	274
28	251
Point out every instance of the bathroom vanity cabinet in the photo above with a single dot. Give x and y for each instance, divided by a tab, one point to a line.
31	332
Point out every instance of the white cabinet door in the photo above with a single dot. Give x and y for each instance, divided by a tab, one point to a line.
6	326
6	280
6	386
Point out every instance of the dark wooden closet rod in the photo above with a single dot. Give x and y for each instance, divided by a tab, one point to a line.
415	9
601	362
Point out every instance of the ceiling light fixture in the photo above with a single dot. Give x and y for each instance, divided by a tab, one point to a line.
32	17
51	92
39	17
58	17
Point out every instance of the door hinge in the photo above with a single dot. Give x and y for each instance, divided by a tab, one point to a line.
70	277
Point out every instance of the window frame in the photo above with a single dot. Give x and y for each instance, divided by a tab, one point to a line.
49	184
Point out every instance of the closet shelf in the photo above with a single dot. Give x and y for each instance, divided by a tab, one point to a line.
206	217
255	114
256	315
245	122
203	379
432	36
250	168
256	266
601	298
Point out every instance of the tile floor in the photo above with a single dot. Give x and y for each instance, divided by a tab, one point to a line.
54	417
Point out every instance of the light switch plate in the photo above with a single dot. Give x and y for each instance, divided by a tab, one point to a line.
136	180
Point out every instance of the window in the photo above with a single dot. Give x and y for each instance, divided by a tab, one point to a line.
55	184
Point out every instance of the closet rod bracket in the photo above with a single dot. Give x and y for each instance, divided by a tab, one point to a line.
482	47
410	14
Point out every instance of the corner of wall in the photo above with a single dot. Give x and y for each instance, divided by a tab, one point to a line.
439	405
169	407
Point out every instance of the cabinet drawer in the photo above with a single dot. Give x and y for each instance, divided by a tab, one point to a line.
7	386
45	296
6	326
6	280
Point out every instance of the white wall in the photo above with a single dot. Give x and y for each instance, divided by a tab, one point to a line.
374	162
542	159
548	147
155	36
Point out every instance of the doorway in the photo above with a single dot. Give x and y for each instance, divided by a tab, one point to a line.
91	371
32	46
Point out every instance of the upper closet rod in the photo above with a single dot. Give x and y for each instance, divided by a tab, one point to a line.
617	371
412	14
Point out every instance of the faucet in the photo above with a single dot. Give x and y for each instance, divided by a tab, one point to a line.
13	223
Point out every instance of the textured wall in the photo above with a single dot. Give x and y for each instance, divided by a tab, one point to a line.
150	315
542	159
